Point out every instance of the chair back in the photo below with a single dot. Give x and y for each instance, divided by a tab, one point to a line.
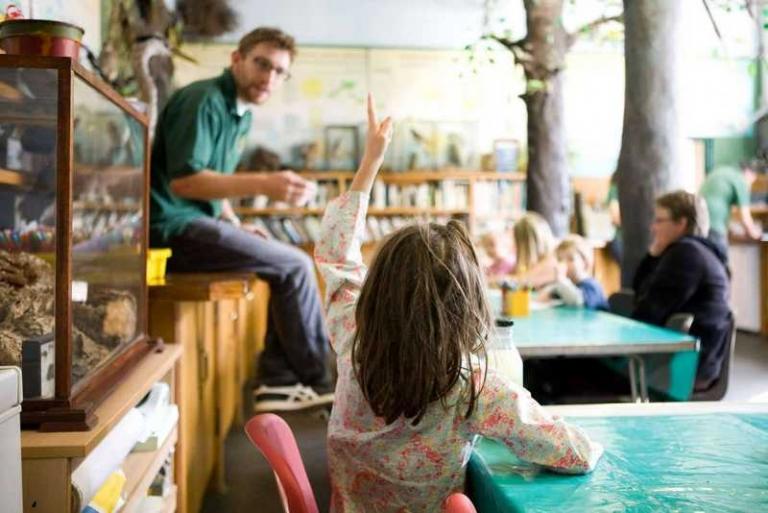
680	322
718	390
458	503
274	438
622	302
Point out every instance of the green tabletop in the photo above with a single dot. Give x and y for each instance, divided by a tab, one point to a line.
711	462
582	332
670	358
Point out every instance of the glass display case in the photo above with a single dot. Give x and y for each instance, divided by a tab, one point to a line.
73	237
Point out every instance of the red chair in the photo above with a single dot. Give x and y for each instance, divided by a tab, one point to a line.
458	503
273	437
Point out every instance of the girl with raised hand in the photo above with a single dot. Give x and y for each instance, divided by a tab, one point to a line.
411	394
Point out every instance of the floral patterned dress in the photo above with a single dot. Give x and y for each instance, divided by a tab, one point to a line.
399	467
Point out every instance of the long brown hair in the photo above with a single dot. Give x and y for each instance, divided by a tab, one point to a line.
533	240
421	315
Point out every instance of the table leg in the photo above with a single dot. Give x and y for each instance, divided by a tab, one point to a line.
632	373
637	380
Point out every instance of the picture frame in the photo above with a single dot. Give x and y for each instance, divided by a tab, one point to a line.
457	144
342	147
416	145
506	153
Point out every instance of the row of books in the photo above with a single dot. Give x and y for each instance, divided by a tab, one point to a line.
491	196
447	194
326	191
306	229
495	198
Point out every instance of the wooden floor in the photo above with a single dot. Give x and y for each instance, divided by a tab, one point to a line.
252	485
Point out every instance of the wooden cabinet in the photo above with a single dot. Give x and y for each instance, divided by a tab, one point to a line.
748	261
220	320
48	459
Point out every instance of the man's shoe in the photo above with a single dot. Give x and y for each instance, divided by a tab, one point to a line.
288	398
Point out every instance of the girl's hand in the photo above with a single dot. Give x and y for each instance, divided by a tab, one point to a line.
376	143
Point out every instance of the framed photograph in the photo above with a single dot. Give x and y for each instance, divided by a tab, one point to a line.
342	147
416	145
506	153
457	144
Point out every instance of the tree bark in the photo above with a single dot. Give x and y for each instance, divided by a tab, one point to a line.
650	139
543	57
547	187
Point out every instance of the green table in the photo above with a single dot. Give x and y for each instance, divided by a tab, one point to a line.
579	332
696	457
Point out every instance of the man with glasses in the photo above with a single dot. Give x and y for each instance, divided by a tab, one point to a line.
198	142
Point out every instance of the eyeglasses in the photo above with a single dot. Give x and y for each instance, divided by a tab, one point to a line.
266	66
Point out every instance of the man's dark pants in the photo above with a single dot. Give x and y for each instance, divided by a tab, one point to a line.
296	344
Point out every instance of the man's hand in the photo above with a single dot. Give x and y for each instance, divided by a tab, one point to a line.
289	187
376	143
256	230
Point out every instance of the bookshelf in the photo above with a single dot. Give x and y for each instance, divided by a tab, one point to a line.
479	198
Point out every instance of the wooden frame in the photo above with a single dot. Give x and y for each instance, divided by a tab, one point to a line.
71	408
345	138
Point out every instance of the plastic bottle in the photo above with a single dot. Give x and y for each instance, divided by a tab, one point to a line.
503	356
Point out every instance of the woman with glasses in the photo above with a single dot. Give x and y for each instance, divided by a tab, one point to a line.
684	272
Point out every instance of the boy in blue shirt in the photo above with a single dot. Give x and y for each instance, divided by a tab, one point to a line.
575	284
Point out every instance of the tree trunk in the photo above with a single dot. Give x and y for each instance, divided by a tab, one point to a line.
545	49
649	142
547	186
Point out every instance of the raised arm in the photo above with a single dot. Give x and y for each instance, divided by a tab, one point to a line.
338	251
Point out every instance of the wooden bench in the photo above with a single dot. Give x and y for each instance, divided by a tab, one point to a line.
221	320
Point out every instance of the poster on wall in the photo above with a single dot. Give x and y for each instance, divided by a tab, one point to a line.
444	117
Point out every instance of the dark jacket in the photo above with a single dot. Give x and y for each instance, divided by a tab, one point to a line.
690	276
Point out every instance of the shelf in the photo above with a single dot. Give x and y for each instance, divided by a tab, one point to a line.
458	174
28	120
418	175
141	468
111	207
8	177
388	211
277	211
416	211
125	396
89	169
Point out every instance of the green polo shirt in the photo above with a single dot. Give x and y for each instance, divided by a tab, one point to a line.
724	188
198	129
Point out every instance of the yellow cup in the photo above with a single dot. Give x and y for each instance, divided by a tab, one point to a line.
517	303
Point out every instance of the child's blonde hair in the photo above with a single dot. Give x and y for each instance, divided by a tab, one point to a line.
576	244
533	240
421	315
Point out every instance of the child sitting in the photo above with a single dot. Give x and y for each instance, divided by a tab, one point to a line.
574	284
411	395
500	264
534	248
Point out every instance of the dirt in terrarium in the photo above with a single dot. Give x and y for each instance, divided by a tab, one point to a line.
106	320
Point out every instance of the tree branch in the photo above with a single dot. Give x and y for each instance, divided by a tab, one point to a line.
587	27
712	20
506	43
521	55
